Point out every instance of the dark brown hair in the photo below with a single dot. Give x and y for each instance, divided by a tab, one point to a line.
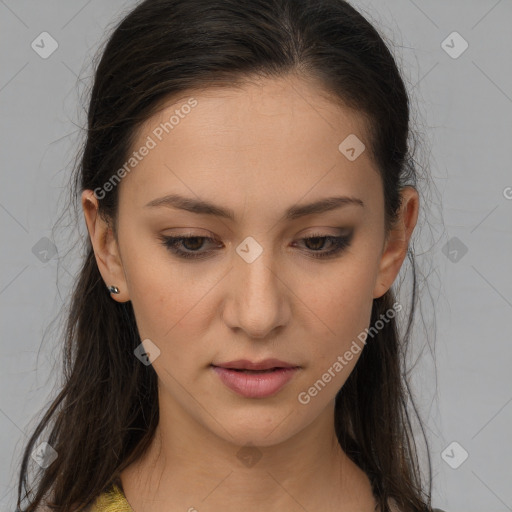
106	412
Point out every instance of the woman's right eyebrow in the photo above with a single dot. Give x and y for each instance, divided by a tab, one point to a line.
202	207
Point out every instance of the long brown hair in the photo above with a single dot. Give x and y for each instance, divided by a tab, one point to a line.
105	415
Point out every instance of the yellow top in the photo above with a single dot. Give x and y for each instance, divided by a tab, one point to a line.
112	500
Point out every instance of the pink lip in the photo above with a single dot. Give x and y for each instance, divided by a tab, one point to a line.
258	384
245	364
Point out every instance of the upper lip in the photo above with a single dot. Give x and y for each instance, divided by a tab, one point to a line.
266	364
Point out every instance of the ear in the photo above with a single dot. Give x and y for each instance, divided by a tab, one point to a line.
396	246
105	247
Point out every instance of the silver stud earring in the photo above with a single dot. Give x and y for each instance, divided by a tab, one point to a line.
113	289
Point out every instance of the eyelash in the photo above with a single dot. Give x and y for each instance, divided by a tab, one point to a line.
340	243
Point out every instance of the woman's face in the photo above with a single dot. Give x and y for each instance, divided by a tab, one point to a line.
256	290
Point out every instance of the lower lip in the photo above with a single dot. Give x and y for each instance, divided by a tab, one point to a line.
255	384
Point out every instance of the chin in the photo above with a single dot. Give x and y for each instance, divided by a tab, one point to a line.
257	429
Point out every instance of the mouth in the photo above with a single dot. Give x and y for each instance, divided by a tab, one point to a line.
263	381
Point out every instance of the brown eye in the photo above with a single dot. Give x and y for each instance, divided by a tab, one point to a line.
316	242
191	244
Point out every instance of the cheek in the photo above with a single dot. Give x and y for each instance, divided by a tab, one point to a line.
176	310
165	298
345	297
340	344
170	316
343	303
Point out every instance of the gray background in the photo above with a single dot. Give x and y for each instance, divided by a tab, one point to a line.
462	109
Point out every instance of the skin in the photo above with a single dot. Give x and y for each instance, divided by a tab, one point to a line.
256	149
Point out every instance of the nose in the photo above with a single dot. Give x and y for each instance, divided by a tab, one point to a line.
258	298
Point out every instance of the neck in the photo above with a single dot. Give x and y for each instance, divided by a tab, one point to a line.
190	468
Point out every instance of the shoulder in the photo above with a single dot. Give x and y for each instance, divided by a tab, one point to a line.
112	500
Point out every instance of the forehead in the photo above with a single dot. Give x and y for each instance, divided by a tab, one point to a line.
268	105
270	137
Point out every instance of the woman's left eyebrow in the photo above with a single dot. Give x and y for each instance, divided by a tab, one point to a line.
202	207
